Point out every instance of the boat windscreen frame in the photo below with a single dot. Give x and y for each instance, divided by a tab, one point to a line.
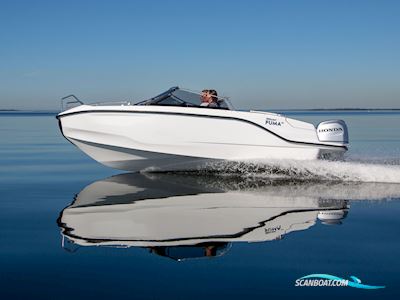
170	93
159	97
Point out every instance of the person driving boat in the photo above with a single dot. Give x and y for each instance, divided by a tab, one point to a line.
209	98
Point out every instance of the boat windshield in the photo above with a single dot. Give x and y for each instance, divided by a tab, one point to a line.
176	96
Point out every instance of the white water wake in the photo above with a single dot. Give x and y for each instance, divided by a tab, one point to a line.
319	170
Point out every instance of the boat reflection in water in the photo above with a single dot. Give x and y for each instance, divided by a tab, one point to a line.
183	216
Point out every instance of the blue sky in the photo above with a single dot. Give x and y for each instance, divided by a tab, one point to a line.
263	54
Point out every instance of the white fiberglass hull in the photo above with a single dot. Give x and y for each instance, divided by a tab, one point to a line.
136	138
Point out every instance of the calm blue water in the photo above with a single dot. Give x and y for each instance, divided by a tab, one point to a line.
71	228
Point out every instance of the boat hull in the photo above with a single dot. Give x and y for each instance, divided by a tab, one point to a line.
139	140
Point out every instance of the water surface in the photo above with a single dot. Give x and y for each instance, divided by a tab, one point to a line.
71	228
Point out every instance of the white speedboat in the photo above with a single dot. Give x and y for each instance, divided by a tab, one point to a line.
172	131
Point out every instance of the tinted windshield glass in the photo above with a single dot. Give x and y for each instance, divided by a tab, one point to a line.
179	97
187	96
170	101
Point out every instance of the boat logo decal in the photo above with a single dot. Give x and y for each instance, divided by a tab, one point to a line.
272	229
273	122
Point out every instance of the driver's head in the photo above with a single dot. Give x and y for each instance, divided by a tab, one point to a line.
214	95
205	96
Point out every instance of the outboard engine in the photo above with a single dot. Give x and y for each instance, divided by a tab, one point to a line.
333	131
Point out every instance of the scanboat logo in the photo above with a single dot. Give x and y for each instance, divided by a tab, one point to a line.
330	280
335	129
